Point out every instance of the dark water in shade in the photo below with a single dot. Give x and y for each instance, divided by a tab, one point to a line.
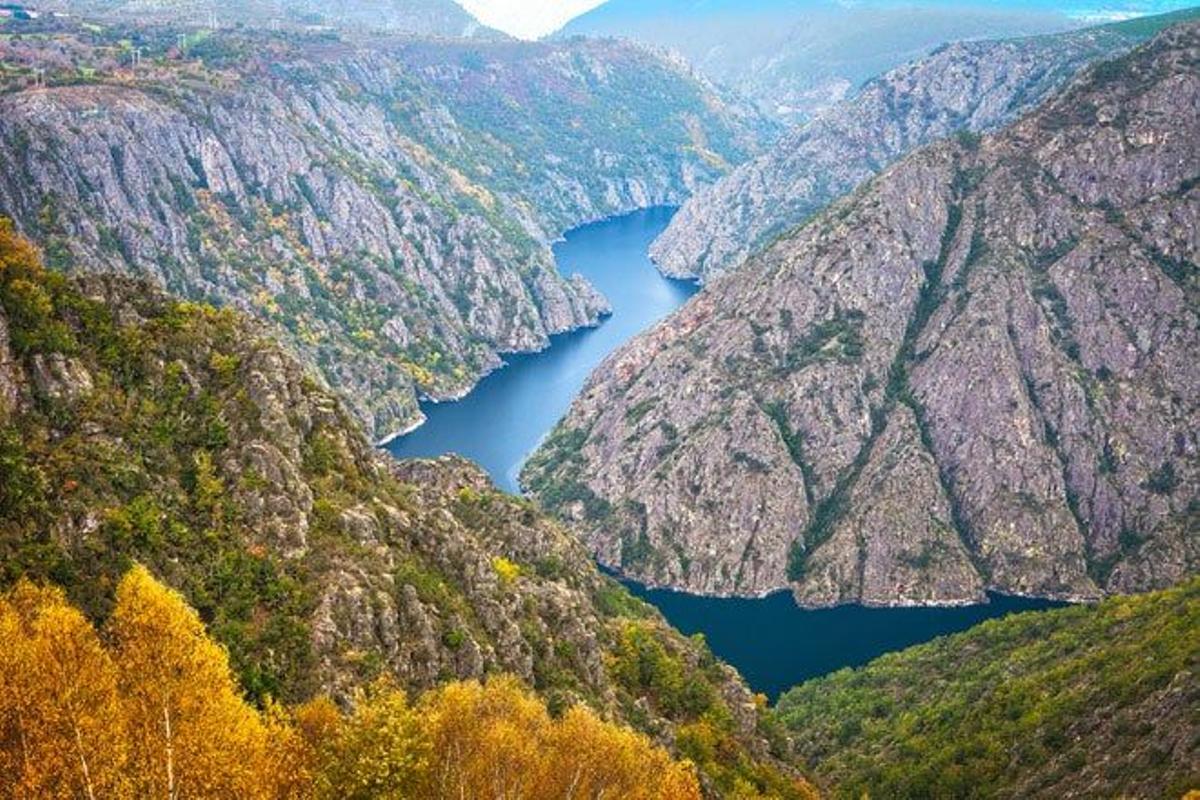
503	420
776	645
771	641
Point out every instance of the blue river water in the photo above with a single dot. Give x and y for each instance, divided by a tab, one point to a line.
501	422
770	640
776	645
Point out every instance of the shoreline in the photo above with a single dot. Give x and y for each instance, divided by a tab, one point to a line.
504	356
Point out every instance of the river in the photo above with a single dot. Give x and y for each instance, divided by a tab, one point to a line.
772	642
505	418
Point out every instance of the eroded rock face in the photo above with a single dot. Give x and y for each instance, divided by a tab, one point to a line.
202	450
975	86
10	377
897	543
976	373
385	205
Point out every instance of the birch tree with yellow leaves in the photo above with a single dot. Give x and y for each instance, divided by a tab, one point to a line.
153	711
61	730
193	735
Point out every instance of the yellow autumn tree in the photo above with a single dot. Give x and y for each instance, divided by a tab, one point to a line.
590	759
18	258
292	757
379	752
157	714
61	730
192	734
486	739
497	740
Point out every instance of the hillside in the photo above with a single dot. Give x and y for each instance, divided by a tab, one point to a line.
385	204
82	713
441	18
976	373
975	86
136	427
1082	702
797	57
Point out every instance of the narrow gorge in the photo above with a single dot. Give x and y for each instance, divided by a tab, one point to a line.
764	400
973	374
384	204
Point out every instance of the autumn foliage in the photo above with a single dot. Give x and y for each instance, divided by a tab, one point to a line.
149	708
493	740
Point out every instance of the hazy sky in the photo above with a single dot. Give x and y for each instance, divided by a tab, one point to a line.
528	19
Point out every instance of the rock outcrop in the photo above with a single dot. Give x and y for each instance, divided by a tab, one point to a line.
975	373
976	86
385	204
138	428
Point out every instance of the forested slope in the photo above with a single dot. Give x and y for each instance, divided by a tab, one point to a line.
137	428
1093	701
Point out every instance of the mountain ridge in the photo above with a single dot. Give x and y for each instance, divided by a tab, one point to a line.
964	329
973	86
138	428
795	58
440	18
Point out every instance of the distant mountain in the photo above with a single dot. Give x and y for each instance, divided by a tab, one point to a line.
441	18
1092	701
797	56
974	86
977	372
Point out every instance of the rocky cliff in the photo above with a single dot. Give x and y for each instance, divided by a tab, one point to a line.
385	204
976	86
975	373
138	428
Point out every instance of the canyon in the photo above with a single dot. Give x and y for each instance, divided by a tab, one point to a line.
386	205
972	374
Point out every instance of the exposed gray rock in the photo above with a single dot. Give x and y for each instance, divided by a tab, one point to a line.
57	377
1016	317
897	543
974	86
10	387
386	204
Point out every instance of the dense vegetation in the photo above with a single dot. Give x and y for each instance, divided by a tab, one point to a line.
137	429
1104	700
164	398
150	708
